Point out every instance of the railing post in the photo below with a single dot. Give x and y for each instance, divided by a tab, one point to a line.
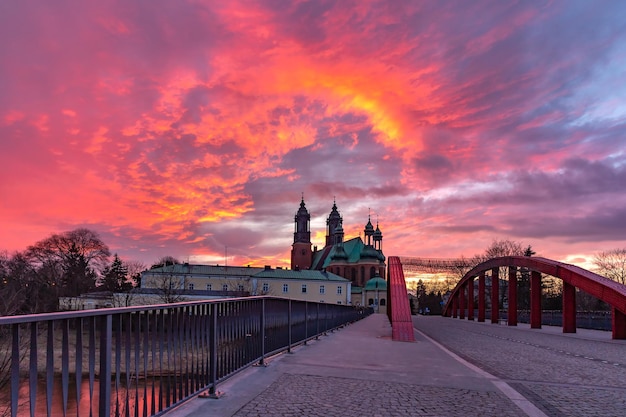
213	350
106	332
325	319
306	321
262	360
289	326
15	369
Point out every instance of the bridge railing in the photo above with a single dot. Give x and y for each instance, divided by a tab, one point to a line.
574	278
145	360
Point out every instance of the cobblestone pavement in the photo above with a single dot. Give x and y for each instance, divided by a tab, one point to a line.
563	375
311	395
360	371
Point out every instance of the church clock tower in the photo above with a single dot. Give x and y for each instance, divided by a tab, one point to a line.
301	254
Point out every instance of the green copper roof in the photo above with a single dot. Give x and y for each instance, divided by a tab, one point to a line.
304	274
245	271
376	283
221	270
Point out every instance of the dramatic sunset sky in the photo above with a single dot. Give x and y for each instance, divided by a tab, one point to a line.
184	127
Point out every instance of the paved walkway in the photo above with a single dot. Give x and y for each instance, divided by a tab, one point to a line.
359	371
581	374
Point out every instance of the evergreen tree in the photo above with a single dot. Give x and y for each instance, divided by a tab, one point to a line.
115	277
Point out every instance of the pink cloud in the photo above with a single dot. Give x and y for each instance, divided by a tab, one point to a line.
157	125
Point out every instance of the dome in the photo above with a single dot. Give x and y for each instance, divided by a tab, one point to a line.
376	283
302	211
334	214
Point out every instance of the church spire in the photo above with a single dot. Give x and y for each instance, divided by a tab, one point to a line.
333	221
302	220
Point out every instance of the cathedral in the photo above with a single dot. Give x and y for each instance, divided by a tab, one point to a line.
358	260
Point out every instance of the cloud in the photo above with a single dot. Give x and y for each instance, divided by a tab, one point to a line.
174	128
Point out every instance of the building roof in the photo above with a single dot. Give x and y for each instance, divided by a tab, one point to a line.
221	270
354	248
245	271
303	274
376	283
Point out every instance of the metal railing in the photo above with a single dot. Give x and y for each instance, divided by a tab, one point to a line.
142	361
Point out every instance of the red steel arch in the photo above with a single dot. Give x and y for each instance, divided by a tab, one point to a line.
611	292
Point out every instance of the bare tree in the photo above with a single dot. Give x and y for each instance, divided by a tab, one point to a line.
612	264
504	247
70	262
499	248
134	271
168	286
165	261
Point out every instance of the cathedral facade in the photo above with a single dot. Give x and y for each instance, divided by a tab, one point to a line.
356	259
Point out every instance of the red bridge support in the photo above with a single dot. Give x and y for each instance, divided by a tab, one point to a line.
495	295
462	301
535	300
569	308
512	314
399	310
574	278
481	297
470	299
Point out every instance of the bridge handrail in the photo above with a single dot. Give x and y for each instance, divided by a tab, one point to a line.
165	354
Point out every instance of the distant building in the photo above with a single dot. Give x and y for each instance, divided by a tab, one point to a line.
204	280
359	260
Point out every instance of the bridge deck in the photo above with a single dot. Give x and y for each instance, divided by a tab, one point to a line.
359	371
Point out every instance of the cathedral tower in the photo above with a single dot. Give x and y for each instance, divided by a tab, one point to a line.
333	221
301	255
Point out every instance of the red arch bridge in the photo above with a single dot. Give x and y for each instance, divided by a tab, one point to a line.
461	301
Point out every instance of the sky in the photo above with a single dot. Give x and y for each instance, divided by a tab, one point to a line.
194	128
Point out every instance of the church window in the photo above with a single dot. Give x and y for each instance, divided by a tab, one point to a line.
370	302
383	302
224	287
285	288
240	287
322	289
208	287
353	274
339	290
266	287
190	286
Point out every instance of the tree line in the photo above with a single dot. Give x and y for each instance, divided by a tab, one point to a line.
62	265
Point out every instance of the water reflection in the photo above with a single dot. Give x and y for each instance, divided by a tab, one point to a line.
143	395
